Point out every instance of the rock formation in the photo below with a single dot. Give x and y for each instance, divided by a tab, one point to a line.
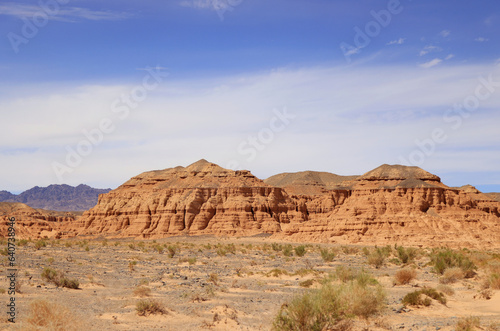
390	204
35	223
199	199
57	197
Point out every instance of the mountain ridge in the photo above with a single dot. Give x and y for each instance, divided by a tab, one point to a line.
57	197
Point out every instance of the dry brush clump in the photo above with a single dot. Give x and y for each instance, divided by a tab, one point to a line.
468	324
452	275
443	259
59	279
142	291
423	297
147	307
332	305
46	315
405	276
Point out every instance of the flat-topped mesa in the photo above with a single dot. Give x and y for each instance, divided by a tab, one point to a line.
398	172
397	176
202	198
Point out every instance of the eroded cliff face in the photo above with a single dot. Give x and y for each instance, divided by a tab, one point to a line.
397	204
35	223
202	198
390	204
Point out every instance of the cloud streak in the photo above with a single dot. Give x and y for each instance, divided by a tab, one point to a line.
64	14
369	116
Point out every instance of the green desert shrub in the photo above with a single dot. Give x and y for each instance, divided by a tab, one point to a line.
406	255
423	297
59	279
443	259
330	305
327	255
288	250
300	250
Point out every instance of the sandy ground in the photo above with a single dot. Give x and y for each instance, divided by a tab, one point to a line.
201	288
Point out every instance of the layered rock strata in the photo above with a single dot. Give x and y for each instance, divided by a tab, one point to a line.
390	204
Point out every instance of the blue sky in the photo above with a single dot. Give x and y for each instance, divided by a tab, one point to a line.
270	86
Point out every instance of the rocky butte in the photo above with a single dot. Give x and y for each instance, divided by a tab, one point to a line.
390	204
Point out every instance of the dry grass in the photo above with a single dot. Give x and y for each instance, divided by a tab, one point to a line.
452	275
468	324
147	307
445	289
49	316
142	291
331	304
405	276
494	281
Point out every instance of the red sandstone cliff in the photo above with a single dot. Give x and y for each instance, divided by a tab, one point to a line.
390	204
35	223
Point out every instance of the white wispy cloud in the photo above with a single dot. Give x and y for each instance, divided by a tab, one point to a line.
65	14
364	107
449	57
428	49
431	63
481	39
217	5
399	41
445	33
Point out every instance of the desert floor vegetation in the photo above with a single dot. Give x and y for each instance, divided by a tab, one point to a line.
199	283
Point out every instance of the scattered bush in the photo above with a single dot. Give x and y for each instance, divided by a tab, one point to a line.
376	258
58	278
330	305
276	247
300	250
172	250
147	307
406	255
350	250
446	258
142	291
22	242
131	265
40	243
44	315
277	272
423	297
451	275
307	283
214	278
494	281
405	276
327	255
288	250
468	324
445	289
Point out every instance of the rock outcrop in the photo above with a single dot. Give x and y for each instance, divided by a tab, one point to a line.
35	223
202	198
57	197
390	204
